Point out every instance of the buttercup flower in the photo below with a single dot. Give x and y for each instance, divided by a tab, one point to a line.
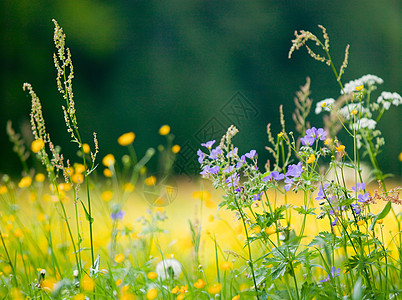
108	160
126	139
164	130
37	145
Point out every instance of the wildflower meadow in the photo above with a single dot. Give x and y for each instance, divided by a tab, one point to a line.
320	220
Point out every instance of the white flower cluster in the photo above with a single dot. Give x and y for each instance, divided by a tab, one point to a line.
347	109
367	80
323	105
388	98
364	123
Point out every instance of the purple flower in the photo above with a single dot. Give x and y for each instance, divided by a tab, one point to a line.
240	189
321	194
251	154
312	132
118	215
334	273
208	170
321	134
359	187
232	153
233	180
208	144
229	169
335	222
307	140
312	135
257	196
356	208
201	156
275	175
241	162
289	183
215	152
363	198
295	170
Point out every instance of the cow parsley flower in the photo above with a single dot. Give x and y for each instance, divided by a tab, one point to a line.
388	98
323	105
366	80
364	123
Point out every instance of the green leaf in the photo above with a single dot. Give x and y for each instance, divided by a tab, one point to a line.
381	215
278	270
89	219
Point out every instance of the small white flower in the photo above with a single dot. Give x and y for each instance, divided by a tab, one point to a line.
366	80
386	98
319	106
365	123
168	267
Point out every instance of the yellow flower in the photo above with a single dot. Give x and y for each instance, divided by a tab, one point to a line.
361	222
311	159
152	275
87	284
269	266
18	233
125	288
107	173
323	104
340	148
79	168
152	294
37	145
69	171
353	112
328	141
400	156
77	178
211	218
3	189
86	148
180	297
280	134
118	282
237	297
199	284
175	290
39	177
41	217
380	221
65	186
107	196
127	296
126	139
128	187
270	230
226	265
108	160
25	182
359	88
119	258
150	180
215	288
176	149
164	130
79	297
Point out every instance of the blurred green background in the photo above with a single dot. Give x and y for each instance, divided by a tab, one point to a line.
142	64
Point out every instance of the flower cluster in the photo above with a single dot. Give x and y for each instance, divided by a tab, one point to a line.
368	81
312	135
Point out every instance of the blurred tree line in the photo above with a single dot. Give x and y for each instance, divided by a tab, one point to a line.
142	64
